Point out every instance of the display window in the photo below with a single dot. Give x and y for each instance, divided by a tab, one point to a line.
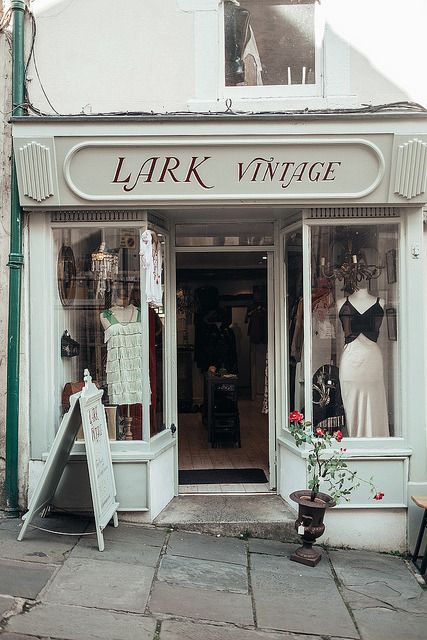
100	323
354	329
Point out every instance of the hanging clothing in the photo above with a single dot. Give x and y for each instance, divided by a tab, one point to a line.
151	254
257	324
361	372
124	361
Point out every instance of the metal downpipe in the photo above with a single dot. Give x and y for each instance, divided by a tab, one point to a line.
16	260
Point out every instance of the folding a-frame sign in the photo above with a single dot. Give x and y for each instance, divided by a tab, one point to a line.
85	408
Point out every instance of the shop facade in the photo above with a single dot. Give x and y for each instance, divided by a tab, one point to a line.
335	207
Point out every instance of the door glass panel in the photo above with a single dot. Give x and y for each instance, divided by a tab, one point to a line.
295	320
157	354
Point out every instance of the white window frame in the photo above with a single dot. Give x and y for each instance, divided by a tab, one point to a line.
277	91
210	93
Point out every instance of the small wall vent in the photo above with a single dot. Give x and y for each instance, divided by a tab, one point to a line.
327	213
98	216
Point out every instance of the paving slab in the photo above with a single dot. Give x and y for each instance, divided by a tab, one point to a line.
292	597
37	546
271	547
209	574
101	584
6	604
76	623
378	580
23	579
176	630
201	604
275	571
206	547
386	624
118	551
136	534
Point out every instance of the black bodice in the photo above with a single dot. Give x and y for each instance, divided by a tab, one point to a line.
354	323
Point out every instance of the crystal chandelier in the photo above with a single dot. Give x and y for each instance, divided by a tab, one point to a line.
105	266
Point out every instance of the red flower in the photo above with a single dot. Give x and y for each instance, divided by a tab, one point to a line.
338	436
296	416
379	495
320	432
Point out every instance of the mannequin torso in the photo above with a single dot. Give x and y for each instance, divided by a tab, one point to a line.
361	300
123	314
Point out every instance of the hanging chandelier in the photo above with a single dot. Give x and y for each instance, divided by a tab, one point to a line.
105	265
352	269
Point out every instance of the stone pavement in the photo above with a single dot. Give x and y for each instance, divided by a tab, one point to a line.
156	584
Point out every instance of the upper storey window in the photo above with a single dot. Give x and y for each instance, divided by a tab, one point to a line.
271	43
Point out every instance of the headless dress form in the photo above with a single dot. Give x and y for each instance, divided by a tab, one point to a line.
124	374
361	372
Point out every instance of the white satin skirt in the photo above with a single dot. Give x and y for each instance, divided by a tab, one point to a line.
362	389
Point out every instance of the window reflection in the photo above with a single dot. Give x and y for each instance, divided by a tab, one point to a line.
98	321
269	42
354	300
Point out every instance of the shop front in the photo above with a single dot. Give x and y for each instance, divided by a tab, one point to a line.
176	258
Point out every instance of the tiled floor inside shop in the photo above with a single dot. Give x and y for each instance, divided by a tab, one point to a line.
195	453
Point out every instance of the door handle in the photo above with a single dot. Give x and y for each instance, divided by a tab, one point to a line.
173	429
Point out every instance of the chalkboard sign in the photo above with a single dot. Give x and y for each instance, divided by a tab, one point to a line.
85	408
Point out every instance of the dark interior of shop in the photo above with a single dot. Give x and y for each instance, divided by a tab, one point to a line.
222	385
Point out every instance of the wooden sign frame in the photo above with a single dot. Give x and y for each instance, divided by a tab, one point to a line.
85	408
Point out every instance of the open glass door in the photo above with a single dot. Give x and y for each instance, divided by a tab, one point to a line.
159	329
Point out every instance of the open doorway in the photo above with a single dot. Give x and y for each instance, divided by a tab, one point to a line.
222	345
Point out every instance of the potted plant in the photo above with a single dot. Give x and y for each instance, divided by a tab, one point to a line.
327	470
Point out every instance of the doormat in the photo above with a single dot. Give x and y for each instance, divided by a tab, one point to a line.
221	476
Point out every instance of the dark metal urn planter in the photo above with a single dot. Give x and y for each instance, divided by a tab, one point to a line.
310	517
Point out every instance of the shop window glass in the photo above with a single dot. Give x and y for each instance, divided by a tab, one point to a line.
269	42
355	304
98	321
295	319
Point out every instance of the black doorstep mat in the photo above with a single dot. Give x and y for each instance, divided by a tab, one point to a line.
221	476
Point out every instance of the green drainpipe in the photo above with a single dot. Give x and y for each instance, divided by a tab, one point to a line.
16	260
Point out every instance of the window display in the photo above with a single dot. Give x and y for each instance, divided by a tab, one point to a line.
98	321
354	352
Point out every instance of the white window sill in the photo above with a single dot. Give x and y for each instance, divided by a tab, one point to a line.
270	104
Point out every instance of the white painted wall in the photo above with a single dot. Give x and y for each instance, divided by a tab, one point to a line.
97	57
5	151
368	529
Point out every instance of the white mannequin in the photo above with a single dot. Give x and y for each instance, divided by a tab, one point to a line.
361	367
